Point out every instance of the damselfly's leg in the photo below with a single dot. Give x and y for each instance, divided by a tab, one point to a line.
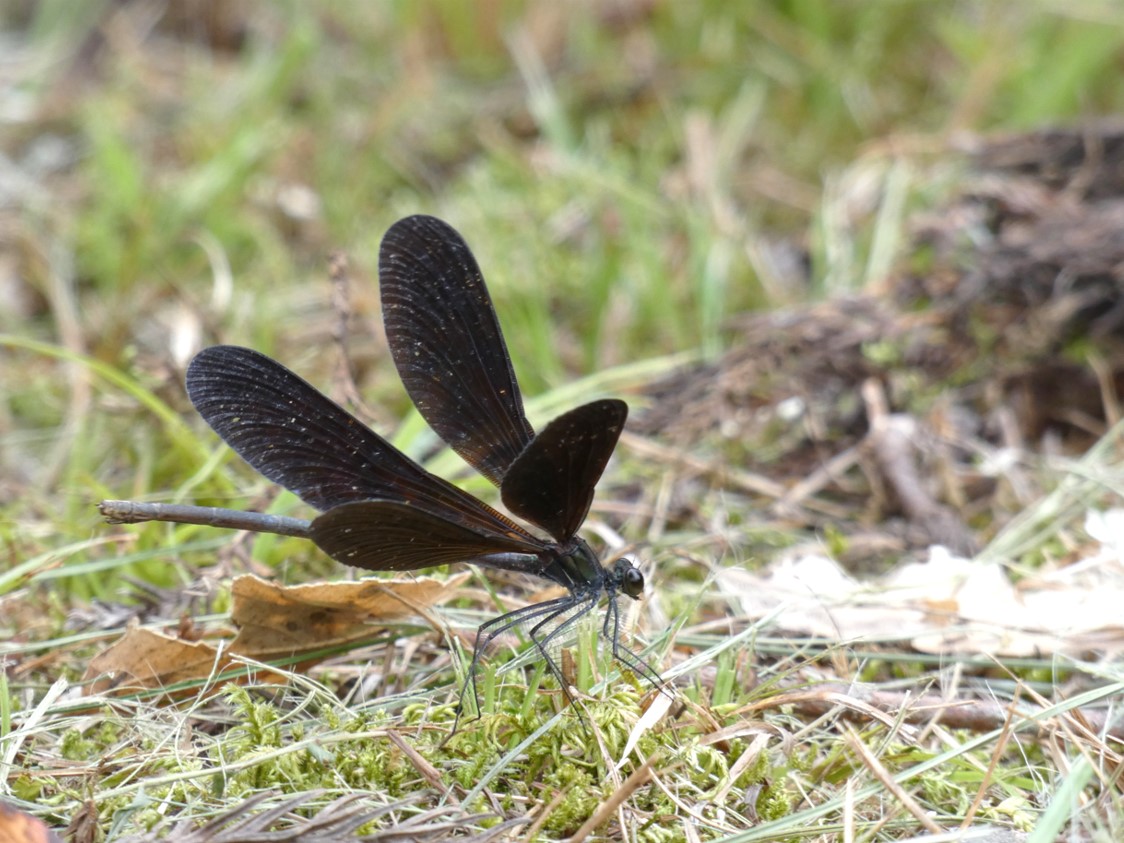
584	608
622	653
487	632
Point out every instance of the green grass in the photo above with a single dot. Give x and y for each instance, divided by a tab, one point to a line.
623	178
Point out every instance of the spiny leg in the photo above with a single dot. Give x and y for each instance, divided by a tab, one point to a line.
487	632
622	653
583	609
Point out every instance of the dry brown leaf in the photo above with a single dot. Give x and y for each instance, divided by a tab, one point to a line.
275	622
18	827
145	659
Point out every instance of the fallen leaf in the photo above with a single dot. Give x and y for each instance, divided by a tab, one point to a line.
83	826
145	659
947	604
275	622
280	621
18	827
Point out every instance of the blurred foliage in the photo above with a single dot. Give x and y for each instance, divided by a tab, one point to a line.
629	174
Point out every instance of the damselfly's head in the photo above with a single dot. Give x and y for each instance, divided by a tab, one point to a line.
628	578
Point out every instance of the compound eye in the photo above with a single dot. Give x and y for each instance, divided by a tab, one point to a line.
633	582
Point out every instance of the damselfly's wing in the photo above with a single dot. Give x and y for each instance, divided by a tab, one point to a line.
446	342
392	536
551	483
297	437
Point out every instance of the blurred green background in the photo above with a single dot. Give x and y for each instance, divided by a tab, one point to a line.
629	174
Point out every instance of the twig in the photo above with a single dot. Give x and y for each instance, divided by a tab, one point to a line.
976	715
883	775
638	777
428	772
818	479
996	755
891	441
339	272
757	484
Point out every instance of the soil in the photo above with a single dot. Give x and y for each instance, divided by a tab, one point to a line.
924	407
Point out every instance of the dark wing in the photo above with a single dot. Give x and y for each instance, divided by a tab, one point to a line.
447	345
551	483
389	536
299	438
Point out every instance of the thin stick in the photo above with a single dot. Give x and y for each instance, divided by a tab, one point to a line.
636	779
135	512
883	775
339	272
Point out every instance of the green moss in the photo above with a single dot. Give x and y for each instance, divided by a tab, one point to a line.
75	746
29	788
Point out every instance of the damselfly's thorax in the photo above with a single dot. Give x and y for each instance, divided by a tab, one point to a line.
576	567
